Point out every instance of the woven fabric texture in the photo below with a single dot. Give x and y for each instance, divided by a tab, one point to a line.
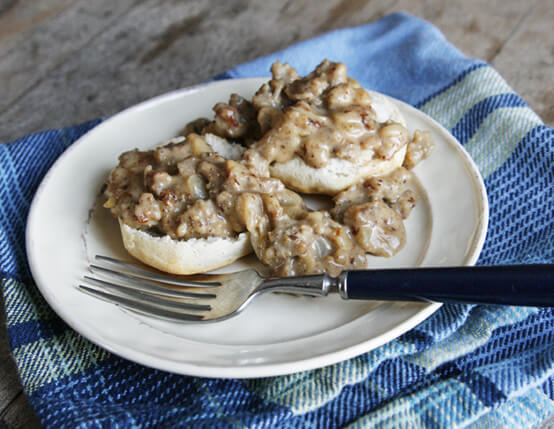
465	366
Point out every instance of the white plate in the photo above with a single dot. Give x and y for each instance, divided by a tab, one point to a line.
278	334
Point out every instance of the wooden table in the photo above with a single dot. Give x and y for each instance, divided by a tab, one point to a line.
64	61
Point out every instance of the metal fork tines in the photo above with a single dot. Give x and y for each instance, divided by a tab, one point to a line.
148	292
193	298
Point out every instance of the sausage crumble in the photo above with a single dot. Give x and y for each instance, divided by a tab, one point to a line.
185	190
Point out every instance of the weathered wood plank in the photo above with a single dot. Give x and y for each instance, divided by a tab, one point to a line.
10	385
478	28
158	47
515	37
527	60
19	415
19	17
49	42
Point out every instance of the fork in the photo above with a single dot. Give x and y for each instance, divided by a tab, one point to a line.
220	296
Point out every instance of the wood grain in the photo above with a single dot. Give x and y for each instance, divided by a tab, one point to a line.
527	60
9	381
151	47
478	28
15	411
17	18
67	61
19	415
140	58
51	42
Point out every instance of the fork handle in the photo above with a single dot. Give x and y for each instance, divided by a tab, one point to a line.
531	285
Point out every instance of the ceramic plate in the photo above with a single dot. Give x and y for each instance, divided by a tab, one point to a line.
278	334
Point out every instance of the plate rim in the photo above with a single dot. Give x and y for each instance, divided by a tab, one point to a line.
265	369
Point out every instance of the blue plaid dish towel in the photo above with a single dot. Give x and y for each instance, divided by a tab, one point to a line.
471	366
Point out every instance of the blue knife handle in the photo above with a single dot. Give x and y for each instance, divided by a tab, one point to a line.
531	285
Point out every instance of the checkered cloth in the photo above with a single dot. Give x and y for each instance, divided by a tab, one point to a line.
466	366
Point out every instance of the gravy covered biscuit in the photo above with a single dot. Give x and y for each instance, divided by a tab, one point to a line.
164	200
229	186
319	134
